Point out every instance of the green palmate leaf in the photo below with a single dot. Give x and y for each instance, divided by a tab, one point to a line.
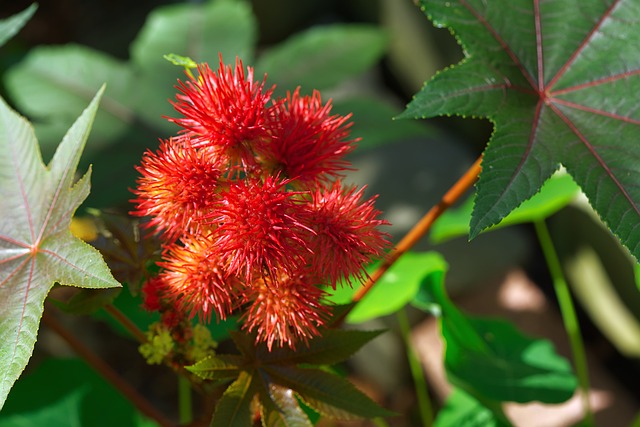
462	410
200	31
395	289
234	407
559	81
328	394
54	84
493	360
277	381
323	57
555	194
9	27
332	347
219	367
37	248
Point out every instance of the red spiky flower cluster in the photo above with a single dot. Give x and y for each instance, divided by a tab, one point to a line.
249	200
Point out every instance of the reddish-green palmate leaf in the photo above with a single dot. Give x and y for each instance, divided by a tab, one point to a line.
559	80
328	394
277	380
282	409
234	407
37	248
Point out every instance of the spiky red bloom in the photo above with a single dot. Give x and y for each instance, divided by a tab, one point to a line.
285	310
225	110
195	278
178	184
347	234
258	228
307	143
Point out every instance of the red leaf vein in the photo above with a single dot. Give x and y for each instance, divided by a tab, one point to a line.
584	43
595	83
596	111
501	42
596	156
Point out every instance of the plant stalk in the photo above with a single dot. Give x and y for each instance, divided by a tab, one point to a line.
422	390
184	400
106	371
126	323
569	316
422	227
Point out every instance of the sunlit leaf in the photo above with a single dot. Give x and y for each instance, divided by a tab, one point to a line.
555	194
37	248
53	84
323	56
559	80
9	27
395	289
492	359
462	410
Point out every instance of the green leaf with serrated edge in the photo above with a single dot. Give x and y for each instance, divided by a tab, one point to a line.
200	31
10	26
322	57
395	289
55	83
555	194
559	81
328	394
281	409
462	410
331	347
218	367
234	407
37	248
492	359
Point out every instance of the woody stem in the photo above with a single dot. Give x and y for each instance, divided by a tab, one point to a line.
422	227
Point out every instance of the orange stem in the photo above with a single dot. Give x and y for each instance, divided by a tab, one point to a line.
422	227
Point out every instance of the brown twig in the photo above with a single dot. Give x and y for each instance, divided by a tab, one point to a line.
106	371
422	227
126	323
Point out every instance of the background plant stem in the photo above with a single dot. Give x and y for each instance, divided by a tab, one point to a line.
184	400
126	323
106	371
569	317
422	390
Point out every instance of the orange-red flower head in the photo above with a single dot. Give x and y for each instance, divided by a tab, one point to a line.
307	143
285	310
177	186
254	216
225	110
